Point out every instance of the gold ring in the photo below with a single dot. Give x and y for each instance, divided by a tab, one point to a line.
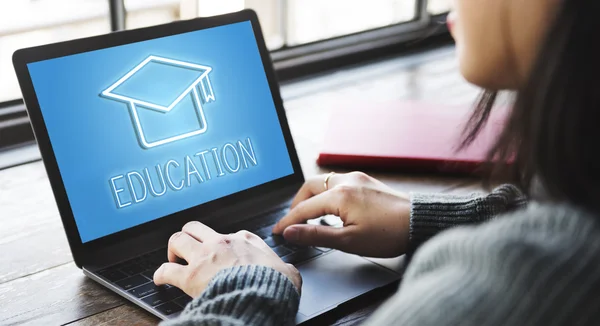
327	180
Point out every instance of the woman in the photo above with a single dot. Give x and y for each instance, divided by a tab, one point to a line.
509	263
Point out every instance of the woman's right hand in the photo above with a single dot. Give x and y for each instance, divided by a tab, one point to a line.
376	218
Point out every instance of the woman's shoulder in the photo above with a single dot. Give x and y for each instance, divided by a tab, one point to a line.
527	241
534	258
545	219
559	227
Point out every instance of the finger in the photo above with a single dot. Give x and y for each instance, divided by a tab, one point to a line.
199	231
315	186
182	245
245	234
317	235
170	273
253	241
252	238
307	190
317	206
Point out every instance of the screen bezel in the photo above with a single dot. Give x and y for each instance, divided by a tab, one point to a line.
81	250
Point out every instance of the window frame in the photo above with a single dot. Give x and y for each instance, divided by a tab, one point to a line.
14	124
419	22
290	62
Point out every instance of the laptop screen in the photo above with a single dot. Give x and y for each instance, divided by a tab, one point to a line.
147	129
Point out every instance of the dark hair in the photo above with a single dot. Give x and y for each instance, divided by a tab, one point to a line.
553	130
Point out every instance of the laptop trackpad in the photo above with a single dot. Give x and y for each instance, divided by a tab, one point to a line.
336	278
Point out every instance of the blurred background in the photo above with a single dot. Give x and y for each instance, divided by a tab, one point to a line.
287	24
306	39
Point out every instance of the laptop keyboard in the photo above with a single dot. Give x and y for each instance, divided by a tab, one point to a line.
135	276
288	252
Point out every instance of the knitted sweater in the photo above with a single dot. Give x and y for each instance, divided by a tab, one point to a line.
536	265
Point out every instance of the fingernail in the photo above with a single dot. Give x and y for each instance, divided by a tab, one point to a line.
174	236
156	273
291	234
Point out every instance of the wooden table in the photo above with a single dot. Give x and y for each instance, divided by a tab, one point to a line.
40	285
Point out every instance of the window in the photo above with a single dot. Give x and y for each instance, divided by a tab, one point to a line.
300	33
436	7
142	13
34	22
286	23
315	20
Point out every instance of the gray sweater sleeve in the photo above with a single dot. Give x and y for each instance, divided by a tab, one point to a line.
243	295
433	213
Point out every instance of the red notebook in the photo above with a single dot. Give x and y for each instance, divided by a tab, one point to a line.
405	136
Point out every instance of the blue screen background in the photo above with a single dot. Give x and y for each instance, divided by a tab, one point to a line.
93	137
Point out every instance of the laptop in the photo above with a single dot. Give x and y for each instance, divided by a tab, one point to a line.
142	131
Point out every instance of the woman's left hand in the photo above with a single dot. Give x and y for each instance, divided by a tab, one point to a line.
207	252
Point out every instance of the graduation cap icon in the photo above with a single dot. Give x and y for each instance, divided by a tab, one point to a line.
162	94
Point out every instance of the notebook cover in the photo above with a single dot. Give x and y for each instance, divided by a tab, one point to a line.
405	136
